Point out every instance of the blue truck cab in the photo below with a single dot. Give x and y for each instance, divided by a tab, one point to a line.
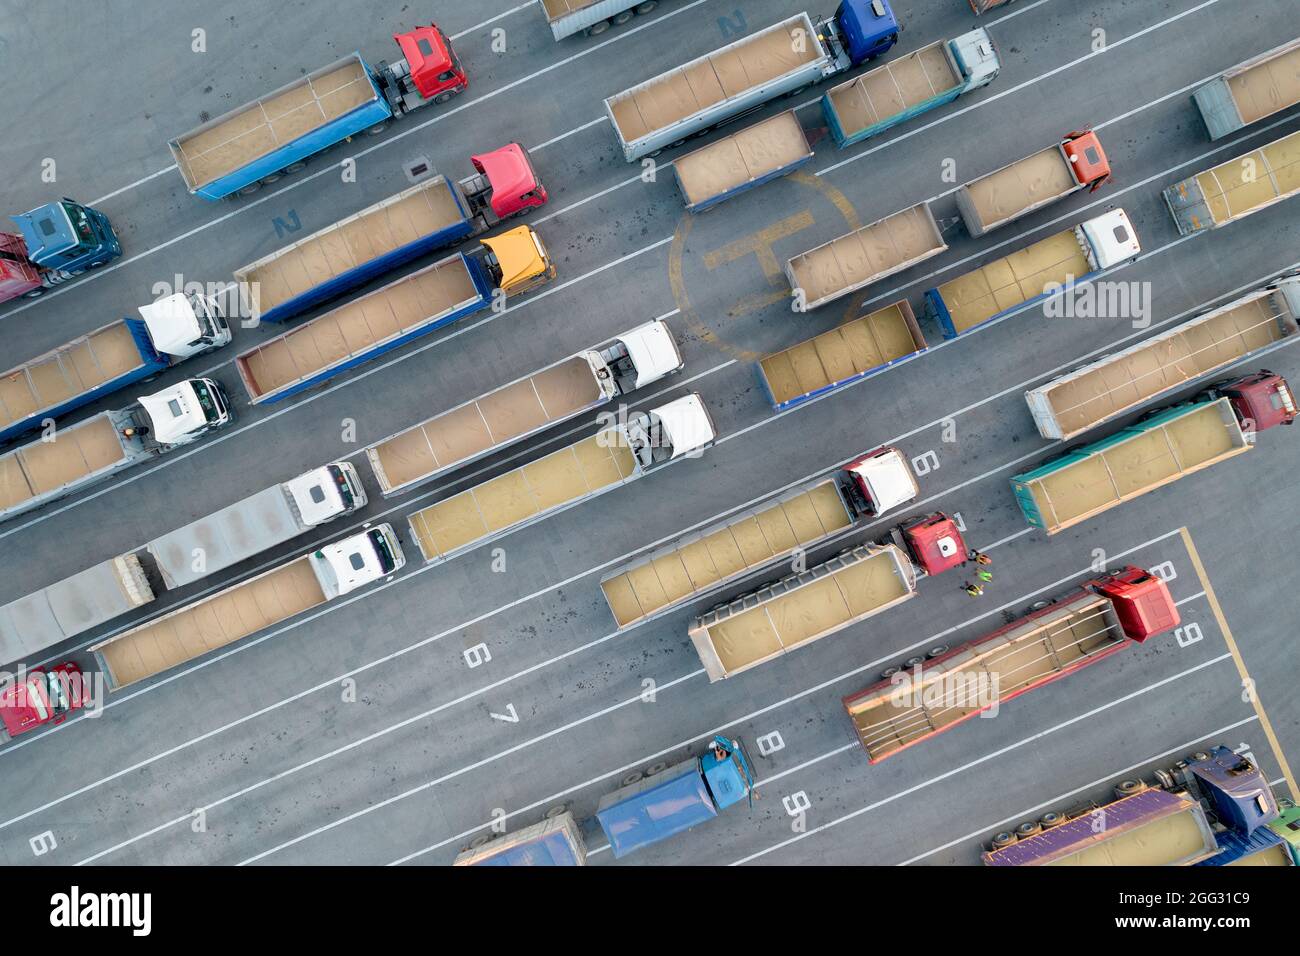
861	30
1238	802
68	237
666	803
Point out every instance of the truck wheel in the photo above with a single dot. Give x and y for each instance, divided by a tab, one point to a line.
619	19
1050	819
96	265
556	811
1003	839
479	841
913	662
632	778
889	672
655	153
380	127
643	8
273	178
677	142
1026	830
938	651
445	96
596	29
799	92
34	294
1126	788
655	768
295	167
250	188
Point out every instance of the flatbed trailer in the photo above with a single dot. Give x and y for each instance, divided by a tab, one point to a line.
866	255
1102	390
524	407
742	161
1251	91
558	481
365	328
1236	189
701	563
1170	445
858	349
60	611
902	89
1016	282
801	608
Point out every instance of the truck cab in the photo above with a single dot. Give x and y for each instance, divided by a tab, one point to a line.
42	697
183	325
976	57
68	238
861	30
639	357
880	481
518	261
679	429
1261	400
18	275
1142	602
934	543
429	71
325	493
504	184
184	412
1110	238
1088	163
354	562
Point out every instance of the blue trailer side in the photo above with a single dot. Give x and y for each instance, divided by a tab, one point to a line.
903	89
553	842
62	366
450	222
249	363
674	800
226	154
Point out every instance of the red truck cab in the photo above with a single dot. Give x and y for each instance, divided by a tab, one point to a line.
18	276
1141	600
934	542
1261	400
1087	159
511	186
435	69
43	697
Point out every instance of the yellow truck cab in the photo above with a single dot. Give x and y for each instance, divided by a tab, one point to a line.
518	260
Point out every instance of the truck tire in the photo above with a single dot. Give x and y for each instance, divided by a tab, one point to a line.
937	651
631	778
643	8
596	29
34	293
654	768
380	127
889	672
479	841
799	92
295	167
1050	819
1003	839
273	178
619	19
1027	829
96	265
445	97
556	811
249	189
1126	788
913	662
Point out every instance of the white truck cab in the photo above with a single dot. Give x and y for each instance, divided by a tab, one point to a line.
354	562
186	324
978	56
324	493
1110	239
679	429
185	411
638	357
882	480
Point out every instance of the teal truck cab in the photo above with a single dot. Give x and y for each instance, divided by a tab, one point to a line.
57	242
655	807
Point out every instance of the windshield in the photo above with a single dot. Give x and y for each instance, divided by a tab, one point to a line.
341	480
206	402
35	699
80	225
58	698
385	553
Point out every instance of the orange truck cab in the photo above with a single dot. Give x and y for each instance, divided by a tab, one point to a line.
1087	159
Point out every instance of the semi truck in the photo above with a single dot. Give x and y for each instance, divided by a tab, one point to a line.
40	697
858	349
1040	179
1013	283
429	216
689	568
1214	808
593	17
113	356
243	609
80	455
1251	91
412	306
1169	444
644	443
1108	387
785	58
553	842
1099	618
54	243
742	161
806	606
866	255
1236	189
278	133
902	89
65	609
647	810
522	408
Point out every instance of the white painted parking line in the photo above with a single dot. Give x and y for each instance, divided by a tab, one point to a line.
491	20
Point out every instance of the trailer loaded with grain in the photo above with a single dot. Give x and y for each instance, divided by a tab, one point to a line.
744	160
1251	91
867	487
1099	618
1013	283
924	79
1235	189
866	255
429	216
643	444
593	17
414	305
1110	386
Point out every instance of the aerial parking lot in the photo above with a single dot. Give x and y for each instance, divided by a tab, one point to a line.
527	438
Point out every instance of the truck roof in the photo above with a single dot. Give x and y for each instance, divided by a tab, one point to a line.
1142	601
888	478
686	423
171	322
47	230
653	351
349	564
655	808
520	255
175	412
511	175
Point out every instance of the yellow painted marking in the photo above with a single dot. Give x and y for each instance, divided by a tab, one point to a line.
759	244
1246	679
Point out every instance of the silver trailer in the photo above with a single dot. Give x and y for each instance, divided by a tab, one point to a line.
571	17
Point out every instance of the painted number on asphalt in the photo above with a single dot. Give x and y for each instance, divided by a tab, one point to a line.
43	843
476	655
925	463
511	716
797	803
1164	571
1188	634
769	744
